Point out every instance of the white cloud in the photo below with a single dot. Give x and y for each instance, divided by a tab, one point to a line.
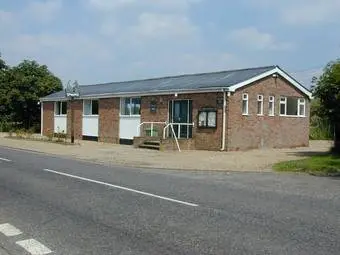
43	11
110	5
5	17
312	12
252	38
302	12
158	26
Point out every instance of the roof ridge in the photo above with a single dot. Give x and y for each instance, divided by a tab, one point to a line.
182	75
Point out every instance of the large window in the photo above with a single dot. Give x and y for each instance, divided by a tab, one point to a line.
292	106
259	104
60	108
271	106
245	104
130	106
90	107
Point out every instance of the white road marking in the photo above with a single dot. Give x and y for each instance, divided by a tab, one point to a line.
122	188
34	247
5	159
9	230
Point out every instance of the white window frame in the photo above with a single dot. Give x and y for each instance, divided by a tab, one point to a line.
300	101
259	101
245	98
61	108
283	100
122	103
271	106
90	100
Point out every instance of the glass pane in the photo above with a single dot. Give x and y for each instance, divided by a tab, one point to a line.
57	108
125	106
212	119
302	110
135	106
245	107
259	107
271	108
202	119
292	106
87	107
283	109
94	107
64	108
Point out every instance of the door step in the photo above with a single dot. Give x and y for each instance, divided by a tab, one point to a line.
152	145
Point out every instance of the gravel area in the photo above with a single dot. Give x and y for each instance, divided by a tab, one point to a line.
111	154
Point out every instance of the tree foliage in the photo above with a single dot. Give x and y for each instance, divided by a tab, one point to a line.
21	87
327	91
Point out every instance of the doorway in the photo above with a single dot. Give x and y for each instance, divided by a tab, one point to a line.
180	114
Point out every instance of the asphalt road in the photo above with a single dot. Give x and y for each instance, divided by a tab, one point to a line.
55	205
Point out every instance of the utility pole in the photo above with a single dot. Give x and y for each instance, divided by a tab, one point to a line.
72	92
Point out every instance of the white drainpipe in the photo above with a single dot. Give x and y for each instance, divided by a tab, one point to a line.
41	118
224	119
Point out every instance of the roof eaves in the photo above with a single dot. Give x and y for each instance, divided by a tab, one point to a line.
149	93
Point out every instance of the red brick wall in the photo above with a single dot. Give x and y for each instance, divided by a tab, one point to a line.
48	118
109	120
247	132
77	105
205	139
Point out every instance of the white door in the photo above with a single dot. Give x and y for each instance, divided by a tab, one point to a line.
129	119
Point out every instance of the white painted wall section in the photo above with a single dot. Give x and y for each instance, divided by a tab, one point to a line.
90	125
60	124
128	126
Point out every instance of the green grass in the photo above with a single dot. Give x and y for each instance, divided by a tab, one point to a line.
324	165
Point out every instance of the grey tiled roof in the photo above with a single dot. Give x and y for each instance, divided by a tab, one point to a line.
189	82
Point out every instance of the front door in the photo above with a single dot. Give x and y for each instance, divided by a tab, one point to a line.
180	113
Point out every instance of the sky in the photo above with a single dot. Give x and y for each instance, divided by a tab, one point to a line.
96	41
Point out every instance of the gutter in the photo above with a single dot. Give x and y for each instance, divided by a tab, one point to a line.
136	94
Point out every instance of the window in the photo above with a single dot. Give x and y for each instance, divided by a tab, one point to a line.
291	106
207	118
259	104
302	107
271	106
130	106
283	106
245	104
91	107
60	108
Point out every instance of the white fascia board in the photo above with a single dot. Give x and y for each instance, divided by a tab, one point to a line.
135	94
276	70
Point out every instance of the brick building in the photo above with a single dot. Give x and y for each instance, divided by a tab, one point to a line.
230	110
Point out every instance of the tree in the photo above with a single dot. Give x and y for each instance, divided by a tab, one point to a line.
327	91
21	87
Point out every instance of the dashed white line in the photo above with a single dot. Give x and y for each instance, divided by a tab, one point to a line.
9	230
34	247
122	188
5	159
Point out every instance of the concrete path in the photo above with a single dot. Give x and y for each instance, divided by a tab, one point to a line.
110	154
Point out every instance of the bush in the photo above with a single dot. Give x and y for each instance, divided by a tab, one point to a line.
321	130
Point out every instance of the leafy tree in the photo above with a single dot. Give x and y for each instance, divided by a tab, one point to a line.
21	87
327	91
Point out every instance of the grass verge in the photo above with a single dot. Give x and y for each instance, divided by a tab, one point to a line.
321	165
